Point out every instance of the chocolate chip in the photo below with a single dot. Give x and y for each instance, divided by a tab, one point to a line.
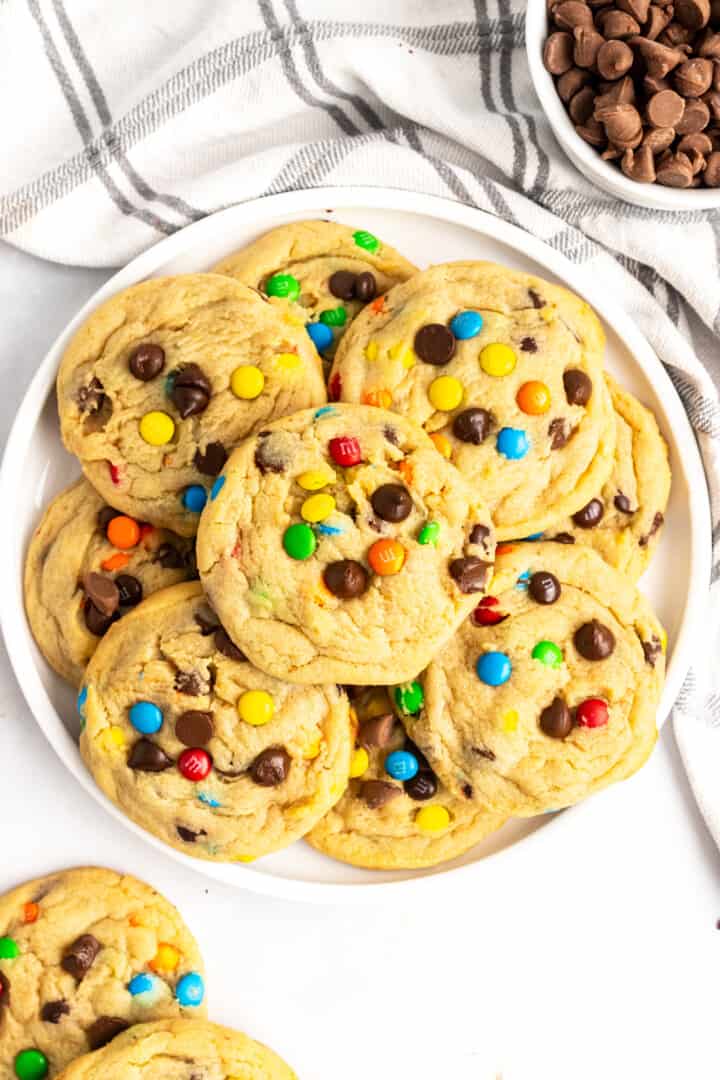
664	109
377	793
207	625
470	573
675	171
594	641
105	516
130	589
104	1031
211	460
435	344
391	502
570	82
556	719
640	164
189	835
559	431
623	504
614	59
4	992
694	78
365	287
414	749
346	578
472	425
656	523
376	731
80	956
558	53
582	105
544	587
590	515
562	538
391	435
102	592
268	459
528	344
190	682
695	118
146	361
169	557
342	284
694	14
97	623
572	13
536	299
227	647
91	398
617	24
483	752
651	650
194	728
147	756
478	534
191	391
422	786
271	767
578	386
53	1011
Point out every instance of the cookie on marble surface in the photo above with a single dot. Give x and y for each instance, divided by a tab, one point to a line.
181	1050
339	546
165	378
396	814
549	691
200	748
504	371
624	520
87	565
85	953
323	271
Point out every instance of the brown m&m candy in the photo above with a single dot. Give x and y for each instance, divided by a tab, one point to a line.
346	578
544	587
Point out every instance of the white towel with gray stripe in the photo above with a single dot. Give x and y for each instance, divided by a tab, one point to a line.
122	124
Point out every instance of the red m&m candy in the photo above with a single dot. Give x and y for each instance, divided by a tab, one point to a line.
345	451
335	387
591	713
487	613
195	764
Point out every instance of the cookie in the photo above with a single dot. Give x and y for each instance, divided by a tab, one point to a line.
324	272
166	377
86	566
504	371
85	953
396	814
549	691
181	1050
200	748
341	547
624	520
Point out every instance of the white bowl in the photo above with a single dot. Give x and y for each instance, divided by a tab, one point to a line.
605	174
426	229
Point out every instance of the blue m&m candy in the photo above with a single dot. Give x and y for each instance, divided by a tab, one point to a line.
401	765
141	984
512	443
466	324
217	488
190	990
194	498
146	717
493	668
320	334
81	699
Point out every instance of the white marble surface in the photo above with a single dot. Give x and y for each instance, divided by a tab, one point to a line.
595	957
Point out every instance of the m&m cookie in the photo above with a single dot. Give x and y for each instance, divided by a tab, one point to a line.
165	378
504	371
549	690
200	748
343	548
84	954
86	566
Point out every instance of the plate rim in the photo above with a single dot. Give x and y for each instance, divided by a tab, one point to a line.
13	620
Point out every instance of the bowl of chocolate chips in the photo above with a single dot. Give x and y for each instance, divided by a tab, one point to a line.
631	89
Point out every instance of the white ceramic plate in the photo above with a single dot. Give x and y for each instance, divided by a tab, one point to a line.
426	229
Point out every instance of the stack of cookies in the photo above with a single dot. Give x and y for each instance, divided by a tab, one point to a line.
417	505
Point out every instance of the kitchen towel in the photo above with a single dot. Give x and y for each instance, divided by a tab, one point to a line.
122	124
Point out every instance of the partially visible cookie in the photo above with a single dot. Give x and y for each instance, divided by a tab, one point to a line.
396	814
181	1050
87	565
549	691
504	371
324	272
165	378
341	547
623	521
200	748
84	954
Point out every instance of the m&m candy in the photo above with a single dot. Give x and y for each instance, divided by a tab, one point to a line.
445	393
317	507
512	443
410	698
315	479
591	713
497	359
442	444
334	316
166	959
548	653
299	541
195	763
429	534
432	819
157	428
321	335
217	488
466	324
31	1064
194	498
359	762
247	382
141	984
190	990
345	451
401	765
81	701
533	398
123	532
285	286
487	613
386	557
9	948
256	707
366	240
146	717
494	668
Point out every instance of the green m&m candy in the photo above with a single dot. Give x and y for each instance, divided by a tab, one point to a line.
299	541
548	653
9	948
284	285
31	1065
334	316
366	240
429	533
409	698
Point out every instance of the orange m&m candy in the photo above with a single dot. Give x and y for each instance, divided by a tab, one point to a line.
533	398
381	398
386	557
123	532
30	912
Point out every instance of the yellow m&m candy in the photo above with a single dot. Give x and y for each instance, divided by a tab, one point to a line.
445	393
256	707
314	479
166	959
359	762
442	444
317	507
247	382
432	819
287	361
497	359
157	428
